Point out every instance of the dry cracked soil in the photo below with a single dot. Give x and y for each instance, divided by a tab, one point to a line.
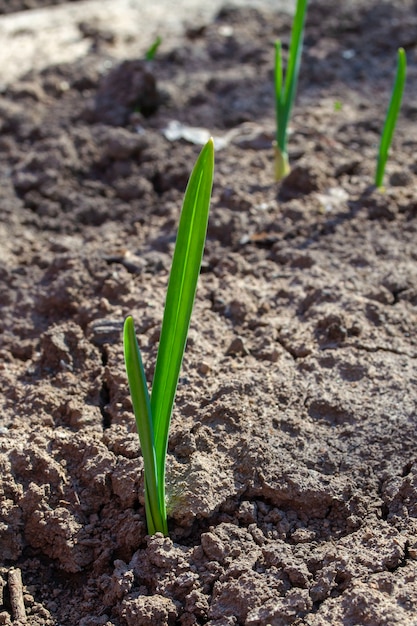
292	468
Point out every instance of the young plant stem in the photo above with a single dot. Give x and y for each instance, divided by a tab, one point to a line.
391	118
153	415
285	90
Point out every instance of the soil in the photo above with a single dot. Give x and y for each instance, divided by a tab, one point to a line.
10	6
292	468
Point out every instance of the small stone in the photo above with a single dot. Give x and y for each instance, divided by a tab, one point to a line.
237	347
247	512
103	331
203	368
303	535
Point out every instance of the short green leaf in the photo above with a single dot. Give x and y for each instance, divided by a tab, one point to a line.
142	409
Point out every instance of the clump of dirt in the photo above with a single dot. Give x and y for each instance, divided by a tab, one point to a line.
291	461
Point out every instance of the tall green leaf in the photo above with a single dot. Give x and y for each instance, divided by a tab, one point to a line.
179	302
285	90
392	115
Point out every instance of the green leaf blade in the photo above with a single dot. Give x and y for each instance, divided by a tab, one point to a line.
285	91
181	291
142	410
296	47
392	115
279	92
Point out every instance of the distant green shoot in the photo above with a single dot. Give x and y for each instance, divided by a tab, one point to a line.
153	413
153	49
285	90
391	118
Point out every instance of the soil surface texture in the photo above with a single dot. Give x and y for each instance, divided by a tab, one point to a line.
10	6
292	466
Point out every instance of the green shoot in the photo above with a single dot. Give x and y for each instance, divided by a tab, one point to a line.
285	91
153	414
391	118
153	48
